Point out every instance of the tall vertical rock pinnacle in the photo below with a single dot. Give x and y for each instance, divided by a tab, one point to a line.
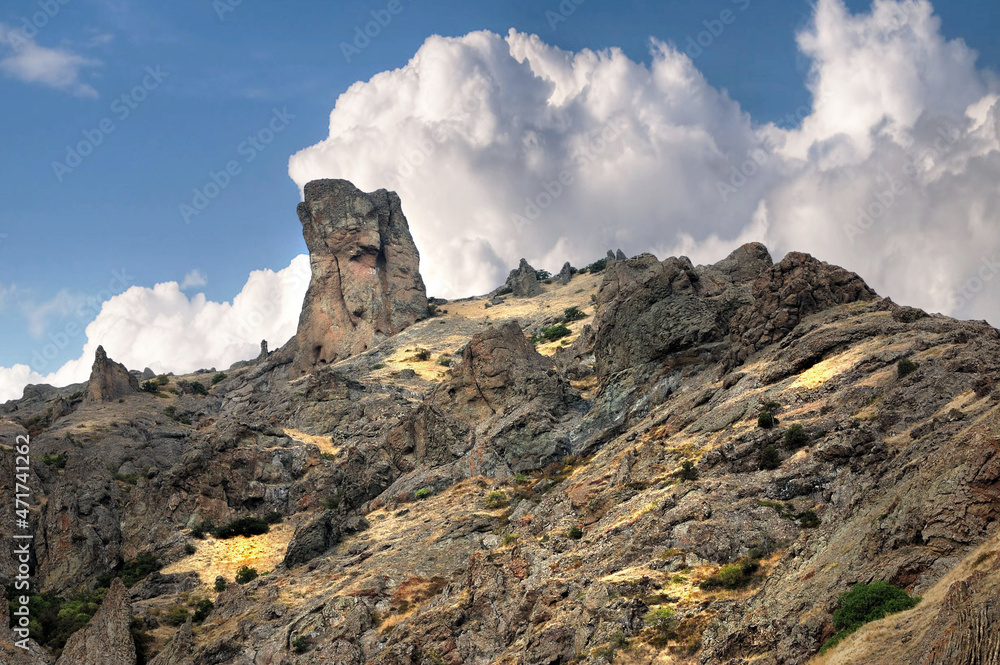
366	282
109	380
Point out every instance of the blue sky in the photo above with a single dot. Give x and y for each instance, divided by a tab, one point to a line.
226	71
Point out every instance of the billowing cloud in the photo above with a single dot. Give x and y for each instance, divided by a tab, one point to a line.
503	147
23	59
193	280
162	328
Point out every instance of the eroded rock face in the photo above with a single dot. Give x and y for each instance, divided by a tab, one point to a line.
366	282
109	380
180	649
524	281
107	639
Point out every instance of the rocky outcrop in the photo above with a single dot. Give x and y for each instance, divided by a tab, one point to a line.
565	274
180	650
313	539
366	282
263	351
524	281
107	639
109	381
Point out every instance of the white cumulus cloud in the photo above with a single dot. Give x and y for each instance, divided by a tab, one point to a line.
23	59
162	328
503	147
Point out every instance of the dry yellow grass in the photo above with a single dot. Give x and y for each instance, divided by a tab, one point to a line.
324	443
223	557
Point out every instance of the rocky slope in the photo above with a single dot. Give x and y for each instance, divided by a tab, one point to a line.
454	493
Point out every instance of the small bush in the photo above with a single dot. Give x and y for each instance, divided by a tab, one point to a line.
377	366
905	367
766	421
245	574
432	309
597	266
274	517
190	549
808	519
445	360
184	420
424	492
542	275
170	412
575	532
332	502
795	437
732	575
198	388
244	526
497	499
662	619
865	603
219	377
421	355
571	314
202	609
301	644
551	333
221	584
520	479
509	538
199	530
135	570
688	472
58	461
177	616
769	458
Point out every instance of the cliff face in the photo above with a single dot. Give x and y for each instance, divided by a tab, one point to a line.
365	282
453	492
109	381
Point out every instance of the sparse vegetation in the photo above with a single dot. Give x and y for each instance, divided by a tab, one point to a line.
542	275
596	267
571	314
244	526
221	584
551	333
865	603
497	499
509	539
202	609
219	377
198	388
153	385
770	459
424	492
332	502
177	616
766	421
301	644
58	461
662	620
795	437
445	360
905	367
575	532
688	471
245	575
274	517
732	575
520	479
420	355
190	549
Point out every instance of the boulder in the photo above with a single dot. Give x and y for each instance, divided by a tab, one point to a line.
109	381
565	274
365	283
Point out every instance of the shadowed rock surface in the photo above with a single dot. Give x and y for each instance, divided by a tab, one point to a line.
107	639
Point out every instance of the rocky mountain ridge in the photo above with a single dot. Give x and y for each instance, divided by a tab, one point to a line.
454	492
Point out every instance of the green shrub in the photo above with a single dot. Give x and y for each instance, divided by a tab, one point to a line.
542	275
58	461
184	420
198	388
766	421
445	360
202	609
332	502
424	492
732	575
509	538
221	583
133	570
905	367
662	619
301	644
769	458
808	519
190	549
244	526
245	574
575	532
571	314
199	530
177	615
688	472
421	355
377	366
170	412
274	517
497	499
795	436
597	266
520	479
551	333
219	377
865	603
